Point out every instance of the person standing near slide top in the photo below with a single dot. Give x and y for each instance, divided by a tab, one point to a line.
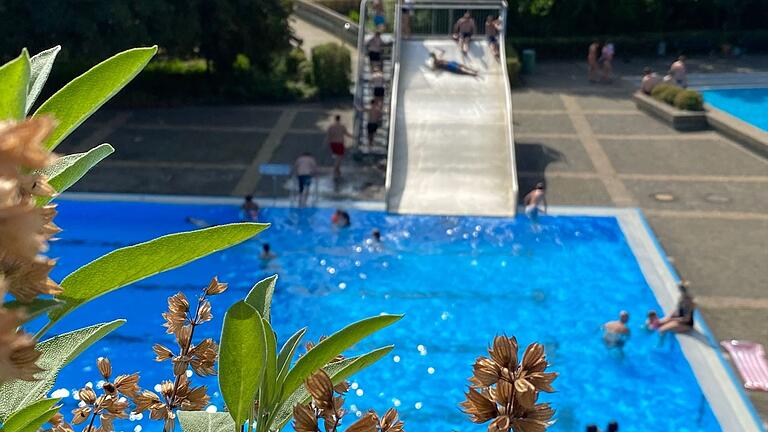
335	139
492	30
592	64
465	28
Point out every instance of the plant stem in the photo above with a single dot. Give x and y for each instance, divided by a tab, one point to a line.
93	418
184	351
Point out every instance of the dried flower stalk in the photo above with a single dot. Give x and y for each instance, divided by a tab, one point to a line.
326	407
504	390
178	394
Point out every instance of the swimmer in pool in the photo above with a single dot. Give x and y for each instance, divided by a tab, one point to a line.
266	253
616	333
438	63
536	202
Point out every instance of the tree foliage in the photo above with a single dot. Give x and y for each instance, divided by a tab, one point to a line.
89	30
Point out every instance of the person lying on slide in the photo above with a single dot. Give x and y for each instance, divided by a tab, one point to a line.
437	62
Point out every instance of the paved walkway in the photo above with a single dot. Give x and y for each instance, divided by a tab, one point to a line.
705	196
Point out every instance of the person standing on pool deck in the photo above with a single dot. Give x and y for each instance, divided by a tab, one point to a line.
592	64
304	168
335	139
492	30
607	59
679	72
534	201
465	27
374	46
437	62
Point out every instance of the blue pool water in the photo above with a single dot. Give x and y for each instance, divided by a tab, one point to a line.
458	280
749	105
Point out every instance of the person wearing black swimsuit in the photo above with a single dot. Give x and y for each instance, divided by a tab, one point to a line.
681	320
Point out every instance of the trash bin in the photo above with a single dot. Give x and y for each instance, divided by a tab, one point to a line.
529	61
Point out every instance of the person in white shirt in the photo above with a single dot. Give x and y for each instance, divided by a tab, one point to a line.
607	59
304	168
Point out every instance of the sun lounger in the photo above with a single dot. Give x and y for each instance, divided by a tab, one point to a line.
749	358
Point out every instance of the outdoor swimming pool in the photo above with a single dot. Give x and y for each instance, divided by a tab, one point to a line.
749	105
458	280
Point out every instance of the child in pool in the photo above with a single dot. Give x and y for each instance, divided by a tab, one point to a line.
652	322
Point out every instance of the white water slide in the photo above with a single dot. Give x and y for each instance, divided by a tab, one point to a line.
452	151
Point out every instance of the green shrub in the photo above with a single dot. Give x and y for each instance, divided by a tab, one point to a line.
297	66
331	68
666	93
513	70
689	100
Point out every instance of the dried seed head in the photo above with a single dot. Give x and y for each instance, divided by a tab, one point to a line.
486	371
17	349
162	353
504	352
105	367
204	312
28	279
320	387
367	423
87	395
479	407
215	287
128	384
21	142
304	419
390	422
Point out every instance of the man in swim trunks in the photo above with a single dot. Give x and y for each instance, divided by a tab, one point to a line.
492	30
679	72
249	209
335	139
378	14
377	83
465	27
437	62
375	113
304	168
616	333
534	201
374	47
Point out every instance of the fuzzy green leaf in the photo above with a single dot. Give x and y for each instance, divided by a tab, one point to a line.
269	380
14	80
67	170
30	418
325	351
338	371
260	296
81	97
57	351
201	421
241	359
34	308
40	67
134	263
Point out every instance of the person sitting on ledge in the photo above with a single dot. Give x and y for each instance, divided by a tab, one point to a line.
649	81
681	319
437	62
250	209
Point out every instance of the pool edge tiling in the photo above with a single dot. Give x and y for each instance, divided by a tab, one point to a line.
720	385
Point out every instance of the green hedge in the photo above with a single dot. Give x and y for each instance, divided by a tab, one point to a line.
513	66
331	69
689	100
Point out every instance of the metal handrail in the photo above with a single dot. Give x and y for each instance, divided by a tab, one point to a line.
359	85
513	191
393	96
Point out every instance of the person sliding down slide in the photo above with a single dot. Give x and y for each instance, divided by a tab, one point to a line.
437	62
